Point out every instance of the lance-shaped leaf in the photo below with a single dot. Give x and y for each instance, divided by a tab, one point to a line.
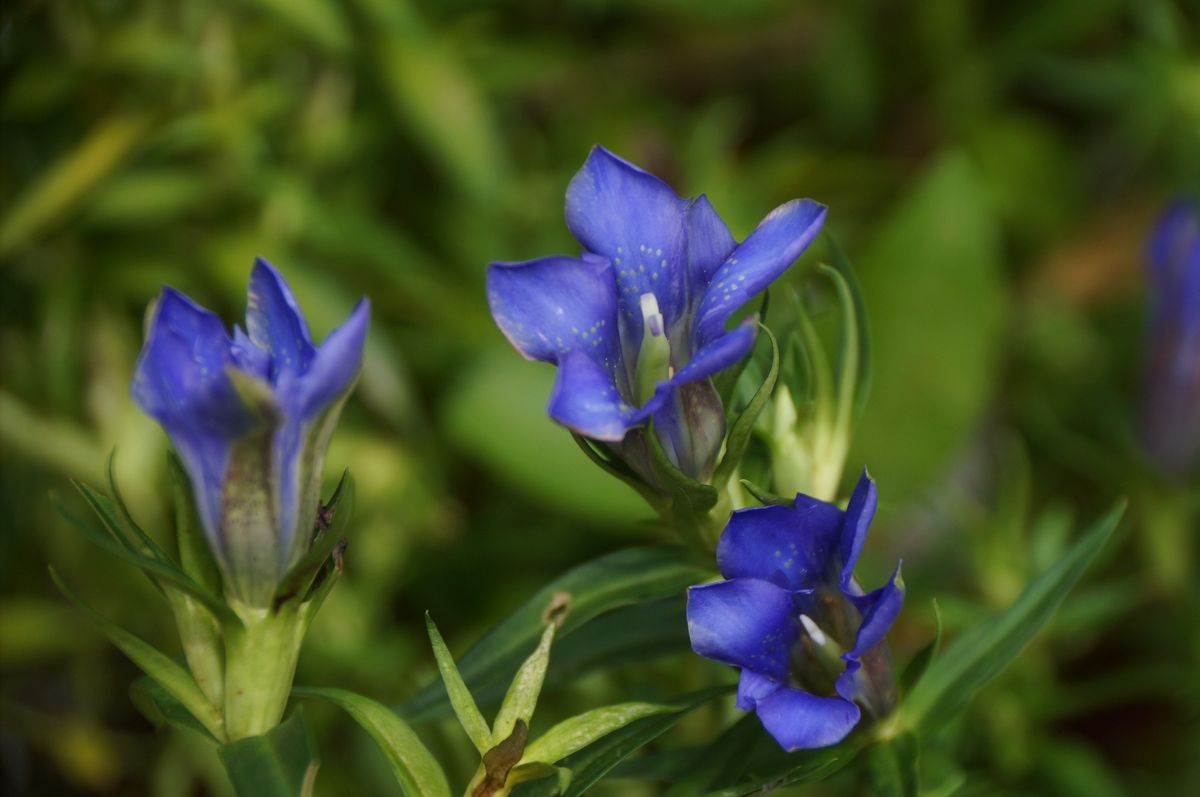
161	708
618	579
892	765
160	572
333	520
741	430
573	734
461	700
280	763
856	335
526	686
177	681
915	670
416	770
978	655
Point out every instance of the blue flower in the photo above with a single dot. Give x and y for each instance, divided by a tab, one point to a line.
636	324
1171	422
250	417
790	614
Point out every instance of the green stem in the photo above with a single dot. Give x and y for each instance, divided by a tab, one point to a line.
260	660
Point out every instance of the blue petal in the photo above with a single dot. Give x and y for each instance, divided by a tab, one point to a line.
859	513
335	365
802	721
756	262
718	354
709	242
1176	233
744	622
691	428
879	610
585	399
554	305
789	545
753	687
274	320
633	218
693	421
249	357
182	381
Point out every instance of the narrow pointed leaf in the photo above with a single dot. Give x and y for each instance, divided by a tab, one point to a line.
521	699
280	763
161	708
297	580
740	432
173	678
417	771
615	580
166	571
979	654
862	326
123	514
916	668
593	762
574	734
461	700
892	766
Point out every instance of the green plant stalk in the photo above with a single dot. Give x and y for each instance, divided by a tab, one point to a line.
260	662
200	634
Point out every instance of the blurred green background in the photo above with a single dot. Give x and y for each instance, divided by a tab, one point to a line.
992	170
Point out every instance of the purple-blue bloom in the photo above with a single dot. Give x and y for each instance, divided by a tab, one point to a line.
1171	421
251	417
636	324
809	642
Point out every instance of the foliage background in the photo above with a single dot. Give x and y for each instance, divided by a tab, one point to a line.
992	170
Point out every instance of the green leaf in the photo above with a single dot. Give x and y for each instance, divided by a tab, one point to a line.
173	678
297	580
417	771
618	579
280	763
593	762
122	511
920	662
575	733
979	654
857	335
195	557
461	700
521	699
161	708
742	429
892	765
720	761
813	766
156	569
762	495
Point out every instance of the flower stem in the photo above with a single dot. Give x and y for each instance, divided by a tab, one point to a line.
260	662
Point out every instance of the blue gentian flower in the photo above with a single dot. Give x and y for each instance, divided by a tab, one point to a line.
1171	423
790	614
636	324
251	417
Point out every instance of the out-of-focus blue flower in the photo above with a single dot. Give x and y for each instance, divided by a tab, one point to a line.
636	324
1171	420
790	614
251	417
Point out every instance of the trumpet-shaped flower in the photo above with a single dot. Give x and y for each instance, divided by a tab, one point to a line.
809	642
251	417
1171	421
637	323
